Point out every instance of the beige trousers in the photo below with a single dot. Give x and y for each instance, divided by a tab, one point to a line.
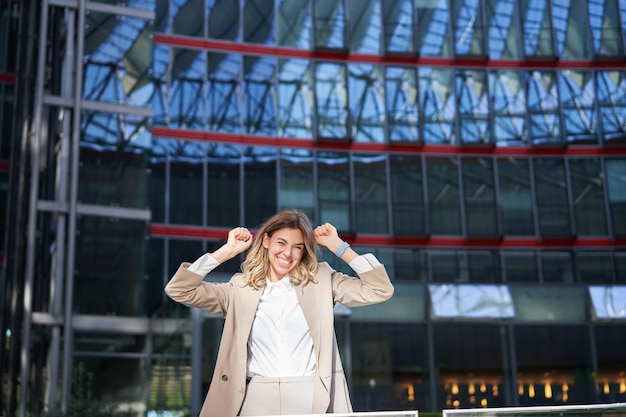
275	396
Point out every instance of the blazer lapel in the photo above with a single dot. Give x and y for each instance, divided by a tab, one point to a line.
245	317
310	308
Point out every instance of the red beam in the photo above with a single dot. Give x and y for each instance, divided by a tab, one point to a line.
7	78
4	166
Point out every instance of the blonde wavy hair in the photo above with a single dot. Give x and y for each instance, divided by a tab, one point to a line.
256	266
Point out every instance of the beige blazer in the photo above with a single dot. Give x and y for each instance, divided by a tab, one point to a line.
238	304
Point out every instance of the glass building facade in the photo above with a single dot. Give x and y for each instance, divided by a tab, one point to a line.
476	147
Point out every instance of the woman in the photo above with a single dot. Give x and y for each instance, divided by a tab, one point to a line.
278	353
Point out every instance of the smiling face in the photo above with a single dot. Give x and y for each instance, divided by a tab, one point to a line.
285	248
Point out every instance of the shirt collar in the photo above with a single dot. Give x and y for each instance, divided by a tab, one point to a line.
284	282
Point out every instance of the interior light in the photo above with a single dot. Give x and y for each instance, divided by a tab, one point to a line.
483	402
531	390
411	392
483	387
471	390
565	388
520	389
455	388
607	389
622	387
547	390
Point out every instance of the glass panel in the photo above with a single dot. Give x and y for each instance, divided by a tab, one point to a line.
10	24
611	376
578	96
367	104
224	181
186	93
156	278
183	17
329	24
258	24
448	266
177	252
543	107
294	23
473	110
549	303
552	200
611	99
296	181
331	100
537	29
557	267
157	173
605	27
472	365
616	189
407	195
109	271
259	106
398	26
186	182
468	26
438	105
471	301
484	266
409	265
334	189
432	17
509	108
609	302
223	19
160	77
295	112
594	267
389	363
515	197
109	343
444	211
503	29
520	266
479	197
588	196
620	267
224	107
365	26
170	386
260	184
570	25
4	200
553	365
117	59
402	104
370	194
407	305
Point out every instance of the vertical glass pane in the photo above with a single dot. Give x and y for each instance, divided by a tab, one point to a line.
557	267
117	59
444	211
537	28
160	79
484	267
224	185
503	29
365	26
543	107
370	194
186	91
410	265
620	267
224	107
258	24
570	24
552	200
398	26
185	18
616	188
170	384
294	23
472	365
473	107
432	18
157	173
259	184
553	365
186	202
331	100
223	19
109	270
402	104
610	378
594	267
438	105
468	26
388	366
334	189
520	266
611	99
407	195
295	112
508	103
578	97
329	24
588	196
367	104
259	106
296	181
515	197
448	266
479	197
604	21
